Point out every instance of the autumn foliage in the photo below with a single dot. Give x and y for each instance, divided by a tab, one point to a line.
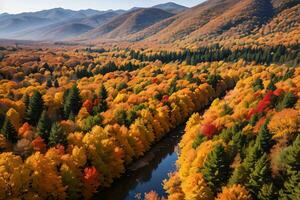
240	146
102	111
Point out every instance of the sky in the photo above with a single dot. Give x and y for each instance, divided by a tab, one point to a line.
18	6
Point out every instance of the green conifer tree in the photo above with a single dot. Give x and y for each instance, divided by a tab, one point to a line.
267	192
102	99
264	139
56	84
49	83
35	108
72	103
57	135
290	159
44	126
9	131
216	168
252	156
238	176
260	175
288	101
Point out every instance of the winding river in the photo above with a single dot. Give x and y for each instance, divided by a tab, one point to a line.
148	172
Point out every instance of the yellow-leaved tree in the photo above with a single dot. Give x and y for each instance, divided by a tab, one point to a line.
44	178
173	187
14	176
285	122
195	188
234	192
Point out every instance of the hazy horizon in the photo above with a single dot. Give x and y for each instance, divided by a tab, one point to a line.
17	6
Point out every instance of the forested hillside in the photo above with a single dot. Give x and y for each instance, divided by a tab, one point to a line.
95	101
245	146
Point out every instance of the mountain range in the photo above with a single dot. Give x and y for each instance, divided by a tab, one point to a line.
213	21
60	24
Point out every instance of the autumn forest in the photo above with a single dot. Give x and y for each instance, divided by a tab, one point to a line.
75	117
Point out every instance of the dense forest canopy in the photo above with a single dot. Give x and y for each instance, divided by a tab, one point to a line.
89	113
91	99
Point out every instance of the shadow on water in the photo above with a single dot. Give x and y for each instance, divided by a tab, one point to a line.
147	173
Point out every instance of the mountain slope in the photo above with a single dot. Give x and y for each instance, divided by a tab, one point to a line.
222	21
241	19
190	20
128	23
66	31
280	5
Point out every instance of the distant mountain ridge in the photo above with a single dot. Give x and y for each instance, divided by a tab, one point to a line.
53	23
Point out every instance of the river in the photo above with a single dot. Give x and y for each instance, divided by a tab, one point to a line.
148	172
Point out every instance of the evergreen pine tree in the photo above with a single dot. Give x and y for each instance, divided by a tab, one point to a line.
56	84
9	131
216	168
260	175
72	103
267	192
102	99
35	108
288	101
290	158
57	135
264	139
252	156
291	186
49	83
44	126
238	176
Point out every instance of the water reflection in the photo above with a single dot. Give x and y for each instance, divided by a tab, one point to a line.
147	173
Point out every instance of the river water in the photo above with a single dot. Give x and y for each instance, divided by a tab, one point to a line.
147	173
